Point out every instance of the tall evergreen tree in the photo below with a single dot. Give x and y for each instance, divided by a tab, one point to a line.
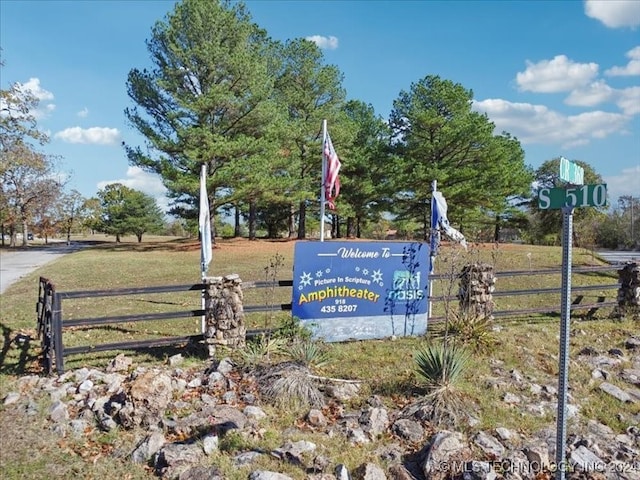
208	99
366	175
439	137
311	92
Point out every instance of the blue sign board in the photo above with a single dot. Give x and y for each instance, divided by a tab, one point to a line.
361	290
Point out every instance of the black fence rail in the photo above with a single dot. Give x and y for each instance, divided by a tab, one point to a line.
576	303
51	323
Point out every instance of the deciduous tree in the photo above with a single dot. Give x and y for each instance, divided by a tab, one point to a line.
125	210
25	173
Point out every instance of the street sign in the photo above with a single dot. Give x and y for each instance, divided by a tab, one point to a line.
571	172
575	195
582	196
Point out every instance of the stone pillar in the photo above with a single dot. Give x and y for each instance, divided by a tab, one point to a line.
224	313
477	283
629	290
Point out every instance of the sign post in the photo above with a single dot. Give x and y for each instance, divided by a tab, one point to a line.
563	359
575	195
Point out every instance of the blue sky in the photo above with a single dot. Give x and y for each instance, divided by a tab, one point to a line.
562	76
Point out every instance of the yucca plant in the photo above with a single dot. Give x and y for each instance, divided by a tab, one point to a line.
261	349
442	366
309	353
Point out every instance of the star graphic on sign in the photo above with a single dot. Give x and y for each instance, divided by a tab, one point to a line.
305	279
377	277
319	273
365	271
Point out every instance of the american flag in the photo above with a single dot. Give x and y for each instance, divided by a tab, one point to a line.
331	180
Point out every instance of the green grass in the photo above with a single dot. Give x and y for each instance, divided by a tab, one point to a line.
386	368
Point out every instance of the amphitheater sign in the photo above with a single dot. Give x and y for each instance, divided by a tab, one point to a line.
361	290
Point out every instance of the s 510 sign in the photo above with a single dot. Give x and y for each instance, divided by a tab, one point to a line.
581	196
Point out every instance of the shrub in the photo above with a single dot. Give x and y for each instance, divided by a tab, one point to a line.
471	329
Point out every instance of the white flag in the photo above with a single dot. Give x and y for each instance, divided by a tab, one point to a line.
204	223
331	180
439	219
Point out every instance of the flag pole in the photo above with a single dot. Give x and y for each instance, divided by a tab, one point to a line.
432	253
323	198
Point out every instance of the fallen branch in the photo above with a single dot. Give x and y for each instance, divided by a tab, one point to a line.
329	379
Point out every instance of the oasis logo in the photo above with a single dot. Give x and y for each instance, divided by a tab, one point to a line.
406	286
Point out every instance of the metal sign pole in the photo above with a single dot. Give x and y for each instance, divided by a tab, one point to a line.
563	375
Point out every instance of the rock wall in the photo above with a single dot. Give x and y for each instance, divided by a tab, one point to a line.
224	313
477	283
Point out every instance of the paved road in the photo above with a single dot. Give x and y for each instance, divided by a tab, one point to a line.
15	264
614	257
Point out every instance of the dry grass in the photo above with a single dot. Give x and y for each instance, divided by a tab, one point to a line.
386	368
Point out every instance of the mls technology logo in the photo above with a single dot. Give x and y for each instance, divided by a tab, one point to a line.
406	286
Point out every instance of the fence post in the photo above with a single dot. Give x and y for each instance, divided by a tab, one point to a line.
56	308
224	312
477	283
629	290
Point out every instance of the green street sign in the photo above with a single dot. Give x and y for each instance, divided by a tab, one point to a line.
582	196
571	172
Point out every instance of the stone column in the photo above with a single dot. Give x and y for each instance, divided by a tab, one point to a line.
477	283
224	313
629	290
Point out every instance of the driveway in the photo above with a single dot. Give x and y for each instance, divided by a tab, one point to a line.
15	264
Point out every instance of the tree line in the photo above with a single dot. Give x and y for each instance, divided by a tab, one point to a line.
221	92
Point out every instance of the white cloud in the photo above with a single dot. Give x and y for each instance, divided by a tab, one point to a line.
538	124
625	183
83	113
146	182
594	94
614	13
631	68
329	43
33	86
93	135
629	100
557	75
45	107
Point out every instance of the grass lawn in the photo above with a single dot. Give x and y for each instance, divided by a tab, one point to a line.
528	345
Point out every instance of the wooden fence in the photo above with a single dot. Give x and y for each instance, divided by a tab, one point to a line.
51	322
577	302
